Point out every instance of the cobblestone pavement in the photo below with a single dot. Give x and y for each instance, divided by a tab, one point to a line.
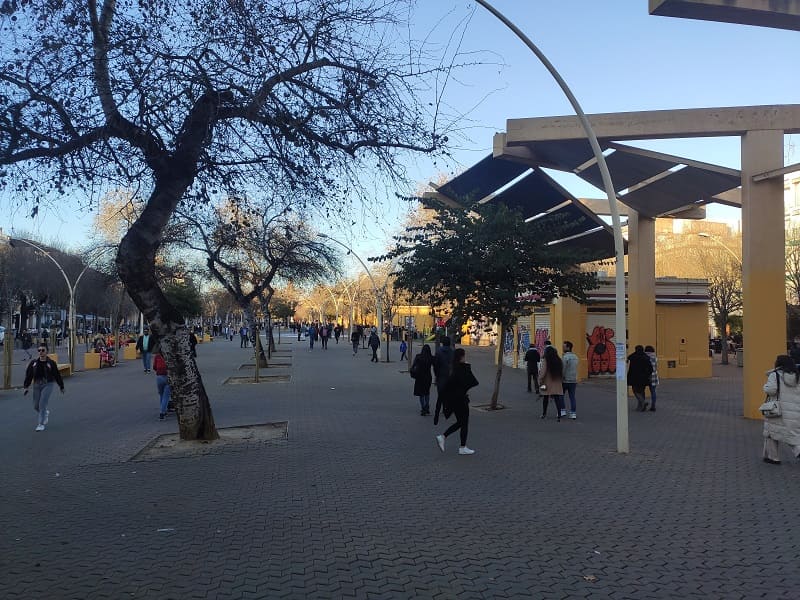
360	503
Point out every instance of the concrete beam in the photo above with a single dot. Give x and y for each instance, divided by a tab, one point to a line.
730	198
656	124
784	14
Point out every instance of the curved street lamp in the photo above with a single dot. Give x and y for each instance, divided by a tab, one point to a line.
378	299
716	239
70	286
623	444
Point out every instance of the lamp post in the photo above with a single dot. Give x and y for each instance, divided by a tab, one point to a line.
715	239
378	310
623	444
70	286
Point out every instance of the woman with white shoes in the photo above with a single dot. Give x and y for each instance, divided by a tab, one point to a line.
456	400
43	373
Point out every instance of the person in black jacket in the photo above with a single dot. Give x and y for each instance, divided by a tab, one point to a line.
43	373
456	400
442	365
639	371
421	372
532	359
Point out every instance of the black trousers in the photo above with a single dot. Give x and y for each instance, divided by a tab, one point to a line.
374	355
535	381
462	423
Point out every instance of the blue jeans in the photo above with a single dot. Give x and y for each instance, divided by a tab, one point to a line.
569	388
41	398
146	360
652	396
162	384
425	402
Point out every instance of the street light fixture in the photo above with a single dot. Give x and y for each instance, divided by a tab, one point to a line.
378	300
70	286
715	239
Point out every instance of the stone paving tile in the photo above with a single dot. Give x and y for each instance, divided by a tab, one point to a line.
359	503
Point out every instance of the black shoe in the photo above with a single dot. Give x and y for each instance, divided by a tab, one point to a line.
644	408
652	409
543	417
162	416
772	462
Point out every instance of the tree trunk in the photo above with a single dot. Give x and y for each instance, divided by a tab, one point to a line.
498	375
136	264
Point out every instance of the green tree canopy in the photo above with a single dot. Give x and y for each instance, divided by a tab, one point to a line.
486	261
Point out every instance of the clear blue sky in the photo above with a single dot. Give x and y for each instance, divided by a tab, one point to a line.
614	56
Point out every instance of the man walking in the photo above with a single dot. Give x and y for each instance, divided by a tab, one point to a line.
374	343
145	345
570	377
532	359
354	338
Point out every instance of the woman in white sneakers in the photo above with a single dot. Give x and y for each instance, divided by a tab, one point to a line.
456	400
43	373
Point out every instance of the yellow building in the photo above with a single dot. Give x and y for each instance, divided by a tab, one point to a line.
681	330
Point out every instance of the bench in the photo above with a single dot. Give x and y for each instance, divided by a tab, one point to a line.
65	369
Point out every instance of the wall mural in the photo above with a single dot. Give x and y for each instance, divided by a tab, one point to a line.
601	355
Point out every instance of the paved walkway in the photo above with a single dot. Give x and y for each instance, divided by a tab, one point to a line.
360	503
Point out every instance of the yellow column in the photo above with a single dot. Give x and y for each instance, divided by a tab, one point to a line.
763	269
641	280
569	324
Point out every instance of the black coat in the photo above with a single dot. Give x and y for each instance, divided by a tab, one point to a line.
422	375
461	380
639	370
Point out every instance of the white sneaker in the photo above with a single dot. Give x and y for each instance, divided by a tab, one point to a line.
40	428
563	413
465	450
46	417
440	441
572	415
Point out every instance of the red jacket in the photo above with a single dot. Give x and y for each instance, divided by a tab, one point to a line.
160	365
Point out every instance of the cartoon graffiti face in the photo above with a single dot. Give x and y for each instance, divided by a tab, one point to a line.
601	354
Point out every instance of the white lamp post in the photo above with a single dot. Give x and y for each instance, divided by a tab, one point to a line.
623	444
378	302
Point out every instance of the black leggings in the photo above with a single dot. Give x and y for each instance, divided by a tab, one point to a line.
462	423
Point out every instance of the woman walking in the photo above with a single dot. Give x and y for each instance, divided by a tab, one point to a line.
421	372
456	400
651	354
43	373
639	372
162	383
782	383
551	379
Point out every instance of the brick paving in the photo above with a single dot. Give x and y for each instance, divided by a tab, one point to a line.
360	503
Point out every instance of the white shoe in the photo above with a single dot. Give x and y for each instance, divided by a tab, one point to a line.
40	428
465	450
572	415
46	417
440	441
563	413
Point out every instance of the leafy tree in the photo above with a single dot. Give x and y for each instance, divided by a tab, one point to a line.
793	265
247	250
185	298
486	261
197	99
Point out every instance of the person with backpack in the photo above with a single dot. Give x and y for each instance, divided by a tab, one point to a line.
640	371
421	373
404	349
456	401
442	365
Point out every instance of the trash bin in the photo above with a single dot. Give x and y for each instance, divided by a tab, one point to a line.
740	357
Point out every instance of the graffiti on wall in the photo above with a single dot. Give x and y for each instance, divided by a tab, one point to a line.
601	355
540	337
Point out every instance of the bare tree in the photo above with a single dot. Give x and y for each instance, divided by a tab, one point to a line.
196	99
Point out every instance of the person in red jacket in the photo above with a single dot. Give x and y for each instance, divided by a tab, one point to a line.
162	383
